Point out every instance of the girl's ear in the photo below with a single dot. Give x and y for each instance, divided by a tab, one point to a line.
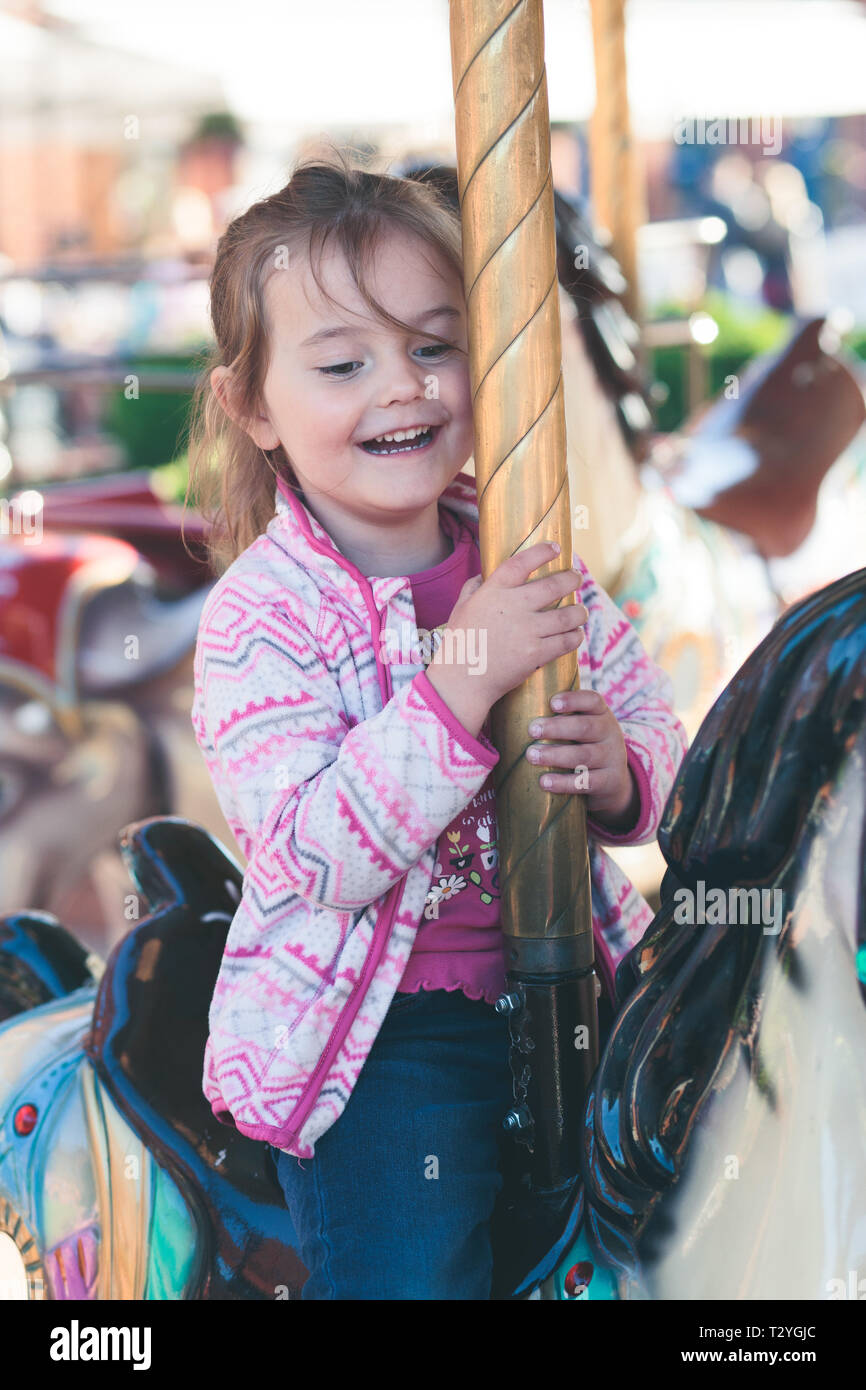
258	427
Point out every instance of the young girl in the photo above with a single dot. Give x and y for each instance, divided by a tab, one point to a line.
352	1023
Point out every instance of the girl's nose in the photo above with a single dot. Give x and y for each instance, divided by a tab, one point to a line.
401	382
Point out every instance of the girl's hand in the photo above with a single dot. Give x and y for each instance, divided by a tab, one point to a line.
507	625
588	738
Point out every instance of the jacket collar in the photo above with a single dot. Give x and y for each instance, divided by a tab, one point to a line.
295	529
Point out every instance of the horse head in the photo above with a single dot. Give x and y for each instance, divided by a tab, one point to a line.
741	1008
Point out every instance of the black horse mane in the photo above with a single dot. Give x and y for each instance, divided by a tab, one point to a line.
750	796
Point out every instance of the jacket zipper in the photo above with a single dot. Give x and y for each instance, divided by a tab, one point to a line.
311	1091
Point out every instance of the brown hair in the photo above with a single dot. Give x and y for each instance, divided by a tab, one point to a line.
233	481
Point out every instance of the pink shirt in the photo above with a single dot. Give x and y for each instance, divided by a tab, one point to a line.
459	942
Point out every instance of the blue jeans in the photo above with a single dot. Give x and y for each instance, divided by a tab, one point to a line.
397	1200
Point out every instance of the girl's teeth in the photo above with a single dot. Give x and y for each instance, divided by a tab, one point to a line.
399	435
418	437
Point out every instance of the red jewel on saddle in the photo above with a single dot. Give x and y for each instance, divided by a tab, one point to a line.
25	1119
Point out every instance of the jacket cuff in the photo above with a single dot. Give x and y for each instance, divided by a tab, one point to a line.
479	748
603	835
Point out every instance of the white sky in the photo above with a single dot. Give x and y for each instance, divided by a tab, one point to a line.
317	64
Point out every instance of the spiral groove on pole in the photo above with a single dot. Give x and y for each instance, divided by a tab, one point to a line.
515	349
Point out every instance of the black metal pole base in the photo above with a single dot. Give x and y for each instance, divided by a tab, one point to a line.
553	1029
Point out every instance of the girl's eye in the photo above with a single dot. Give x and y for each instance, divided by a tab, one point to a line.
439	349
430	351
339	369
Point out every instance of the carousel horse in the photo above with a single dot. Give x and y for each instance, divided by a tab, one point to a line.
95	678
726	1123
116	1181
129	507
759	500
735	1040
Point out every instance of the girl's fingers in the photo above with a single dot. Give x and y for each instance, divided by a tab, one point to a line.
574	728
568	755
565	618
551	588
591	783
562	782
560	644
578	702
518	567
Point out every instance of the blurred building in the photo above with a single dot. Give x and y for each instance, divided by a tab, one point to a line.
89	141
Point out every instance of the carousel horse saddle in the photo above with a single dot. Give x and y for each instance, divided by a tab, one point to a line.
755	462
39	961
150	1018
145	1042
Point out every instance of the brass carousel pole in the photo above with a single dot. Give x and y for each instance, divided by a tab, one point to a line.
506	199
615	176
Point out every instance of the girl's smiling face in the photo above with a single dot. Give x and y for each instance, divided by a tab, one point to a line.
340	378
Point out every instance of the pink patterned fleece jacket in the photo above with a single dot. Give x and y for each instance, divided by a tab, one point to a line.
337	767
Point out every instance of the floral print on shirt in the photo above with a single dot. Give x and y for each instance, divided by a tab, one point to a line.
470	853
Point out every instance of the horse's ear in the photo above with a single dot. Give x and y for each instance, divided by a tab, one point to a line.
769	444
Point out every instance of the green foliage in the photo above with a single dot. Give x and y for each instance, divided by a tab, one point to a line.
153	428
856	343
221	125
744	332
170	480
